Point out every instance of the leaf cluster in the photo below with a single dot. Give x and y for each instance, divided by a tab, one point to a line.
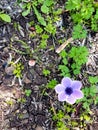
51	84
18	70
46	72
28	92
32	5
90	93
83	12
73	61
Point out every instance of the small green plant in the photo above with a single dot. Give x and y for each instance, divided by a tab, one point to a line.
43	42
73	61
84	13
51	84
5	17
50	28
78	32
18	70
39	30
28	92
64	121
22	100
26	47
90	93
45	8
46	72
10	102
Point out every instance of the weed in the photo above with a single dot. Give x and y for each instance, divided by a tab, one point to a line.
83	13
90	93
28	92
51	84
46	72
73	61
18	70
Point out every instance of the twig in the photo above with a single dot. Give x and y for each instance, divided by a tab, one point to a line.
58	50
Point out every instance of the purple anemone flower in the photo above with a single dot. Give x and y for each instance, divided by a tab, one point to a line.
69	90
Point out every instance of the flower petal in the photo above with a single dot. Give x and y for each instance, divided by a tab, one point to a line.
77	94
66	82
71	99
62	97
76	85
59	88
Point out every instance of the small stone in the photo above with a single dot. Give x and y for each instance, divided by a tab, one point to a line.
9	70
25	121
25	111
27	81
6	50
39	128
13	129
25	116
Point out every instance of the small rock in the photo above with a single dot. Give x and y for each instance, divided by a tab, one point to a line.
39	128
25	111
6	50
9	70
25	116
25	121
27	81
13	129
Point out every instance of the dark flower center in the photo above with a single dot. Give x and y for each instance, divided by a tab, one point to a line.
68	91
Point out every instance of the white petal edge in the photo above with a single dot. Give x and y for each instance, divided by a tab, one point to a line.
59	88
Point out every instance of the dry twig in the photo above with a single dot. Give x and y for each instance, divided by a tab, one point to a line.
58	50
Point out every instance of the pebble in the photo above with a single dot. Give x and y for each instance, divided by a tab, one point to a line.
9	70
38	128
6	50
14	129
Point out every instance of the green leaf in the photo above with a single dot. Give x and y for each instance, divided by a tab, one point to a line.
87	11
50	28
40	1
52	84
38	29
93	80
93	90
44	9
86	105
26	12
78	32
63	54
39	17
46	72
73	4
76	71
48	2
28	92
65	61
5	18
96	15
